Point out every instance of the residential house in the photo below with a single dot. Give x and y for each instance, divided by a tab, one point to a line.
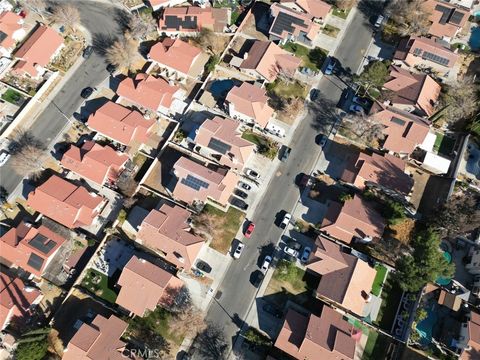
415	93
317	9
120	124
98	340
35	53
473	267
386	173
167	231
11	32
144	285
179	58
94	162
249	103
224	142
265	60
469	340
425	52
345	279
149	92
158	4
447	19
68	204
290	25
355	218
196	182
190	20
17	300
29	248
403	131
326	337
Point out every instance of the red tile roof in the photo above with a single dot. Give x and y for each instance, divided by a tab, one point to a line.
300	24
143	286
474	338
37	50
29	248
120	124
446	19
148	91
193	19
9	24
94	162
68	204
315	8
176	54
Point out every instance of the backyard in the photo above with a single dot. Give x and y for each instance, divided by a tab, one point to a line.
443	144
311	58
100	285
379	279
376	346
13	97
391	296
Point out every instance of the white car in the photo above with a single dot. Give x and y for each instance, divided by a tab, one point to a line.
290	251
4	156
306	254
252	174
379	21
286	220
266	264
238	250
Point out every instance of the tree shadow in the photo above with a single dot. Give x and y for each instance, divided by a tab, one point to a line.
102	42
323	113
371	9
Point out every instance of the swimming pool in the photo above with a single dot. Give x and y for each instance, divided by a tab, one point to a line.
425	327
220	88
474	41
442	280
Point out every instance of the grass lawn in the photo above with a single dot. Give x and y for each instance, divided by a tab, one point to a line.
311	58
253	138
265	146
443	144
288	90
227	225
100	288
376	346
12	96
330	30
286	271
391	296
340	13
379	279
139	159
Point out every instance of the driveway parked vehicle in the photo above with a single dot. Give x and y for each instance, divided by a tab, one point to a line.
293	244
306	254
252	174
330	66
238	250
244	186
240	193
290	251
361	101
266	263
202	265
286	220
249	231
239	203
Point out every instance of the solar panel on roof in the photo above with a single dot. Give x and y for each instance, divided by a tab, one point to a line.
35	261
435	58
194	183
3	36
398	121
417	51
456	17
445	13
219	146
284	22
175	22
42	243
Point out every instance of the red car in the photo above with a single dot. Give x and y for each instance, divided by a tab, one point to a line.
249	230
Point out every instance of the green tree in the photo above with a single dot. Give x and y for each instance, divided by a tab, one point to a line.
374	75
394	212
33	345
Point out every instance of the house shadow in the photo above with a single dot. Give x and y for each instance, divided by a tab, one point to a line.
371	9
89	107
260	12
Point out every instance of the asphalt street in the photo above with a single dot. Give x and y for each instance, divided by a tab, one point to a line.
237	293
91	72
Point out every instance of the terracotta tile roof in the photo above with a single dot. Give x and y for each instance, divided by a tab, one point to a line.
120	123
404	131
18	244
252	101
37	50
474	338
193	19
387	171
288	22
316	8
418	90
355	218
148	91
446	19
425	48
94	162
327	337
15	301
176	54
68	204
167	230
345	279
217	185
100	340
267	58
226	139
9	24
143	285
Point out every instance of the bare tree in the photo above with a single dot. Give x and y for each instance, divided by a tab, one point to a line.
209	41
345	4
66	15
211	343
411	16
29	160
141	25
190	322
460	100
364	129
177	300
124	52
281	73
36	6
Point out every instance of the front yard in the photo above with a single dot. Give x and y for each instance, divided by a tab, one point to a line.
331	31
311	58
340	13
100	285
265	146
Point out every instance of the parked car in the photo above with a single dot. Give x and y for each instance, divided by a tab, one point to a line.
314	94
202	265
272	310
306	254
356	109
379	21
286	220
238	250
361	101
4	156
239	203
240	193
330	66
13	147
321	140
244	186
285	151
290	251
249	231
256	278
111	68
87	52
86	93
266	263
253	174
293	244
